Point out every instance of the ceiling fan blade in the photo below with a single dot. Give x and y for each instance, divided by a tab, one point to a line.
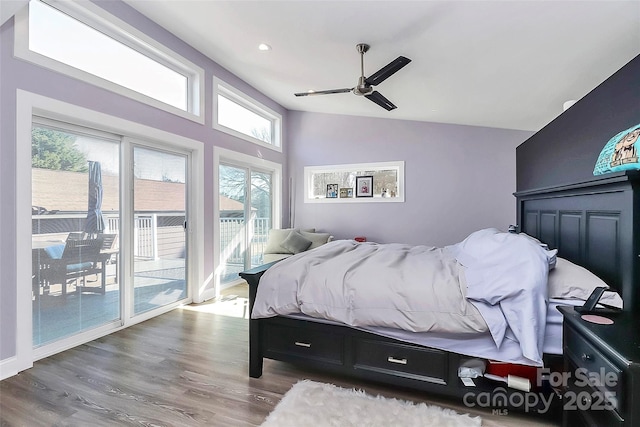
324	92
387	71
377	97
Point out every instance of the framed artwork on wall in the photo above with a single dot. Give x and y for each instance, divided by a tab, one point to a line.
346	193
332	191
364	186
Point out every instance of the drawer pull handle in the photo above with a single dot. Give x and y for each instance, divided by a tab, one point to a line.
587	357
303	344
398	361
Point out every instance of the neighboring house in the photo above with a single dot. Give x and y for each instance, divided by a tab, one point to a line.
59	206
154	195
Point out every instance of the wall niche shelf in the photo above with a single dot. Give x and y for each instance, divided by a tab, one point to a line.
381	182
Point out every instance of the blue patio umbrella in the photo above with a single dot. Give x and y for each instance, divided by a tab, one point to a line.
95	222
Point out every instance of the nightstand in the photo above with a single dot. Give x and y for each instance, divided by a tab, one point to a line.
601	370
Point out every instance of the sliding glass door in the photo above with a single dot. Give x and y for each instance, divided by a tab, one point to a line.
82	278
75	181
159	238
245	210
261	208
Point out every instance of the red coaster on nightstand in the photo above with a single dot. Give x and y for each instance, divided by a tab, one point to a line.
597	319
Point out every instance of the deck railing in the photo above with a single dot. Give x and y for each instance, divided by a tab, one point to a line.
147	227
232	238
145	233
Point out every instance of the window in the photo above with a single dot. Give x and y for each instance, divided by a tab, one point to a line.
79	40
237	114
387	179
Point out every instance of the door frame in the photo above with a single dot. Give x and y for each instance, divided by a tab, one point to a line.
234	158
129	145
29	104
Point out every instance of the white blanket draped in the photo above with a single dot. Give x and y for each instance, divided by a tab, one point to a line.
507	281
418	288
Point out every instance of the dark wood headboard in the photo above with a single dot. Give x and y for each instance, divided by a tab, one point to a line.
595	224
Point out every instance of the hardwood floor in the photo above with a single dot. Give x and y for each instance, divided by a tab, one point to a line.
184	368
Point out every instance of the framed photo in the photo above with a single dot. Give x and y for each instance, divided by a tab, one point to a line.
364	186
346	193
332	191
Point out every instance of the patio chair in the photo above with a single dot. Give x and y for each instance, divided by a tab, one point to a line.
109	244
108	254
78	259
76	235
41	262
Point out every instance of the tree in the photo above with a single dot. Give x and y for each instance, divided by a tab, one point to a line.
233	184
263	134
52	149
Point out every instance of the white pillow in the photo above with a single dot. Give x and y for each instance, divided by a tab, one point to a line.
569	280
274	242
317	239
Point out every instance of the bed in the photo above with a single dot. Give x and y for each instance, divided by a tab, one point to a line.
593	224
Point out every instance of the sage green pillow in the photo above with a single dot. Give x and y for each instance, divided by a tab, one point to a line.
277	237
295	243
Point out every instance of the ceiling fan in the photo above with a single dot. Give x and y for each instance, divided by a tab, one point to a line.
365	84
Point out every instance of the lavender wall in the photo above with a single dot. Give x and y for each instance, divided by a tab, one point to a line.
16	74
458	178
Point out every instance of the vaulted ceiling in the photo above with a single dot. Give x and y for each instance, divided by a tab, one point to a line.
505	64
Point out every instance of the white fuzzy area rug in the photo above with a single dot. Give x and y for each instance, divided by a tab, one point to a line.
314	404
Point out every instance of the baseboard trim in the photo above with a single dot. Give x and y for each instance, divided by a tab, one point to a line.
8	367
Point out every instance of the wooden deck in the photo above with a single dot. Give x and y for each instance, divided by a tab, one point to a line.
57	316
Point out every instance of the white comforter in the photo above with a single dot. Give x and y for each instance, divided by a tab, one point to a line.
419	288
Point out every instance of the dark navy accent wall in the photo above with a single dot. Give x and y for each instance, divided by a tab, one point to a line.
565	151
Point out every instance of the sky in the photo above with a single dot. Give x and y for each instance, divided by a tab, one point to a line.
56	35
148	164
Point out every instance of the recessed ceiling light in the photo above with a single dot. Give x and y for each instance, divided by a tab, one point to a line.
264	46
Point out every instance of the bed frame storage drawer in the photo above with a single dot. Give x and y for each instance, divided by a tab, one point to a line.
424	364
306	343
